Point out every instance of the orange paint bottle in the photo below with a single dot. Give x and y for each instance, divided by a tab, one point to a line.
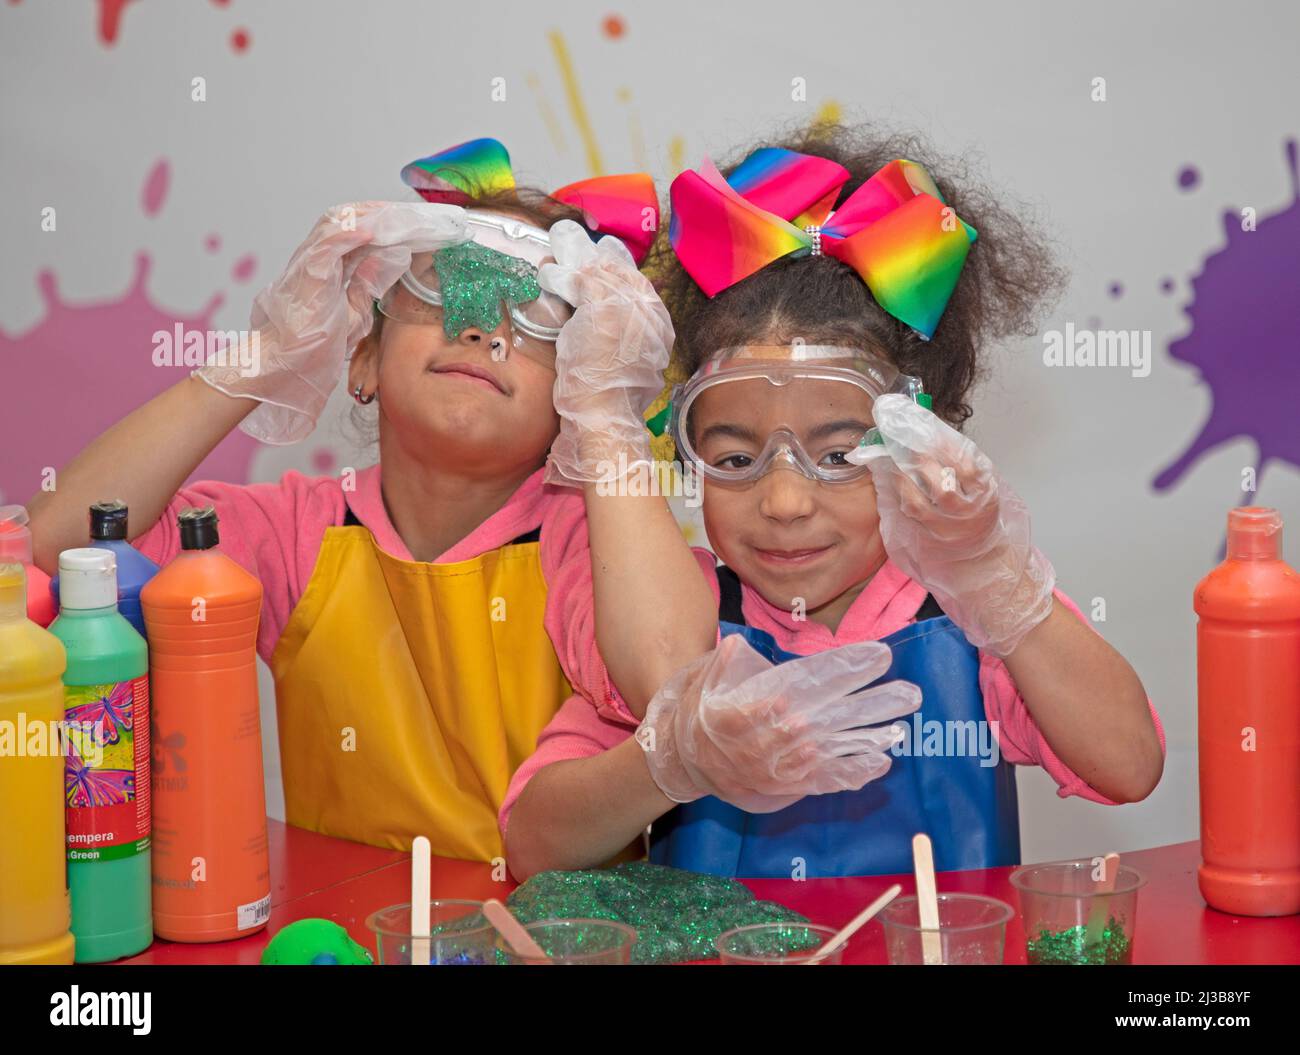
1248	705
211	876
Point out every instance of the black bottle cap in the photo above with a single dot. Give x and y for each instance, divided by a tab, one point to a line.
108	520
198	528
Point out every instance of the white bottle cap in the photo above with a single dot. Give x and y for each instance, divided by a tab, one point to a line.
87	578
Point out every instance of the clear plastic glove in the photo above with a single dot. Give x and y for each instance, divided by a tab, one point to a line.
951	523
761	736
609	359
312	317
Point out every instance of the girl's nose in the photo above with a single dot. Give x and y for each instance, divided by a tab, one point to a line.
786	495
497	341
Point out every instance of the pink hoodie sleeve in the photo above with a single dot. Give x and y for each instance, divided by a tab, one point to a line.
576	731
273	530
570	602
1018	735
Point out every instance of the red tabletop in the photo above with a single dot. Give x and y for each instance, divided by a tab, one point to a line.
317	876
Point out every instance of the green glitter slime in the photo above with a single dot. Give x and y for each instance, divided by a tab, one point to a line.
1070	946
473	281
678	915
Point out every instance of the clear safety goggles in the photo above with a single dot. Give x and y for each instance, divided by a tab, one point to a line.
417	296
750	410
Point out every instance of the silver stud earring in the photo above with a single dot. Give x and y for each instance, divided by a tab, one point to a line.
367	400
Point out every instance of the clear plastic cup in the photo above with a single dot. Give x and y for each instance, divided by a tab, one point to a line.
1058	901
574	942
777	944
460	934
972	929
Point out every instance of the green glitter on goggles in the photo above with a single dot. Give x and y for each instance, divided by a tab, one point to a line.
474	281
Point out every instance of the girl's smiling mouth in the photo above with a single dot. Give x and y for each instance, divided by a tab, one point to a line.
470	372
785	558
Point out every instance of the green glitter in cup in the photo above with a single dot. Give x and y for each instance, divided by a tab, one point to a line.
1071	946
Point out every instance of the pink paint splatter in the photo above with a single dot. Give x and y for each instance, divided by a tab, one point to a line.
84	367
244	268
110	19
322	460
155	188
212	243
239	40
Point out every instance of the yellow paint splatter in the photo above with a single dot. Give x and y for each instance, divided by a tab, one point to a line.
828	114
634	135
548	115
577	109
676	155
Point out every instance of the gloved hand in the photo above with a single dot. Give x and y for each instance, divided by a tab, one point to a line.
609	359
313	316
762	736
950	522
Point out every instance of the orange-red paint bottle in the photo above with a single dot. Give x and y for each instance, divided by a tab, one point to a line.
1248	694
210	864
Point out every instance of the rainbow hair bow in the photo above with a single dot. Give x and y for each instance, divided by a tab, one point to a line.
625	206
895	230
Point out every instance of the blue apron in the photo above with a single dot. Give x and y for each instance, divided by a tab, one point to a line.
941	781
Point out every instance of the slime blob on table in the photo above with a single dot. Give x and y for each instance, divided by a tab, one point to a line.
314	942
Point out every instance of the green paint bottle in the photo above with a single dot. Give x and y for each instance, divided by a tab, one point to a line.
106	714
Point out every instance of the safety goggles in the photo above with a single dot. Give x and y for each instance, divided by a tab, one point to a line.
419	297
753	409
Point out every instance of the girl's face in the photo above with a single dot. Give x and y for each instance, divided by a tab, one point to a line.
802	544
460	400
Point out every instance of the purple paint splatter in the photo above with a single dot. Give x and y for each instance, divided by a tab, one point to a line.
1245	329
1188	178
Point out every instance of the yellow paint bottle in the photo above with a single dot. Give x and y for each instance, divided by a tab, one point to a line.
35	914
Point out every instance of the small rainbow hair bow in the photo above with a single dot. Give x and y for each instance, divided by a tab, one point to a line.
895	230
624	205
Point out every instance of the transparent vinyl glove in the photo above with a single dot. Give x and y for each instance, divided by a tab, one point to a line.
950	522
610	356
761	736
307	322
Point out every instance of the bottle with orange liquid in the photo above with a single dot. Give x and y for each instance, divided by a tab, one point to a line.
211	877
35	912
1248	702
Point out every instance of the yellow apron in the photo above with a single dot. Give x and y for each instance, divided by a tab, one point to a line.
408	693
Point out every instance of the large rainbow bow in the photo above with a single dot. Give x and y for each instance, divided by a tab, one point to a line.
895	230
625	206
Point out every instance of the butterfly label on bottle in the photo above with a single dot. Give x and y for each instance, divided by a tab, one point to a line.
106	775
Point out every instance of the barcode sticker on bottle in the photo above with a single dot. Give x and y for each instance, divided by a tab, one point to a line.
255	913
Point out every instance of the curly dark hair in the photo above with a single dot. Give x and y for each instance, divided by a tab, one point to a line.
1010	276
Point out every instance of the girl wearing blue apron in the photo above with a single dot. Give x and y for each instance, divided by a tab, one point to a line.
966	803
805	290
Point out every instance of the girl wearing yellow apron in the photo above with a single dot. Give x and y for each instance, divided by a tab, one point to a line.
409	608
